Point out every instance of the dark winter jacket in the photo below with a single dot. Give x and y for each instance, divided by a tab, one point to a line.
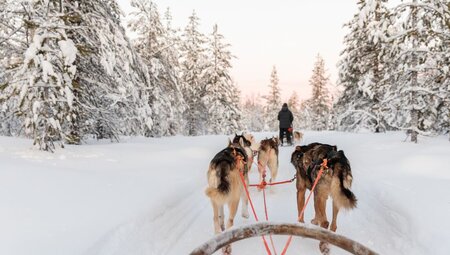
285	117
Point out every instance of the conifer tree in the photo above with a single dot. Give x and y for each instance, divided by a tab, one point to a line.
273	102
253	112
220	98
419	62
361	68
44	83
320	101
154	45
294	106
193	64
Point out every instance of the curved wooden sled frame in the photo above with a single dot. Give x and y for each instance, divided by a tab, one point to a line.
265	228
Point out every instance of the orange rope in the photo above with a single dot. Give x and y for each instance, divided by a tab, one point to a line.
322	166
254	212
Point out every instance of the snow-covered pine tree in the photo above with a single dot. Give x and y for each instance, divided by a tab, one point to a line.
193	63
252	113
294	106
112	85
320	101
305	118
44	83
153	43
13	43
361	69
273	103
419	62
221	97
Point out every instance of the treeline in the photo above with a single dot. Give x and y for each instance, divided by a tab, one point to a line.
394	74
69	72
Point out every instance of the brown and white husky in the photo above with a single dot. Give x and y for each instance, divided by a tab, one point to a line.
335	181
225	185
268	158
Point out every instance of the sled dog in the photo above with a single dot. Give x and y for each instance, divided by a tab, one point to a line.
268	158
298	136
335	181
237	140
254	145
225	186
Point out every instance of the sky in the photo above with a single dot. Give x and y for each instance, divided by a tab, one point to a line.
287	34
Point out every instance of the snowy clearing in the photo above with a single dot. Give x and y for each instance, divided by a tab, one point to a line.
146	196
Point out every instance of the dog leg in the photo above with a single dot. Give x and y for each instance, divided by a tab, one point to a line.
221	218
273	166
300	202
335	214
244	199
232	206
216	217
320	203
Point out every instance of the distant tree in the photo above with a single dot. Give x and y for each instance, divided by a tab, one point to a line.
253	112
320	102
193	64
273	102
294	106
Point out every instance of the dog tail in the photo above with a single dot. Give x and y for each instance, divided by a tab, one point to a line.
341	193
220	184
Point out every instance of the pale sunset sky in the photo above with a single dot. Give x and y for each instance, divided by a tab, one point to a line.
286	33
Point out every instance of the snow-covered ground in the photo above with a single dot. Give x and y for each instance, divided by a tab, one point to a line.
146	196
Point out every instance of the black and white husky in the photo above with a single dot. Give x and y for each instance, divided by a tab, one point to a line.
225	184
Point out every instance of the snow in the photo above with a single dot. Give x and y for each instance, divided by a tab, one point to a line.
146	196
68	50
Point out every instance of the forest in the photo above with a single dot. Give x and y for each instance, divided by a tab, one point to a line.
69	72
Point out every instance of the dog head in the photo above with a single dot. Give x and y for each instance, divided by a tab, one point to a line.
237	148
238	138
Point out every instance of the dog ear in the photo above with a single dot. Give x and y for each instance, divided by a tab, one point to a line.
241	142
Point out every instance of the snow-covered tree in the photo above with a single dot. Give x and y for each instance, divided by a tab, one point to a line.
85	78
253	112
320	101
419	66
13	43
273	102
113	86
361	69
155	45
193	64
294	106
220	98
44	83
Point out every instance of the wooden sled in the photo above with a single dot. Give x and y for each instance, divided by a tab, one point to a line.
265	228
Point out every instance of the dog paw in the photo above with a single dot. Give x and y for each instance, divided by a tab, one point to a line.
315	222
226	250
245	215
324	248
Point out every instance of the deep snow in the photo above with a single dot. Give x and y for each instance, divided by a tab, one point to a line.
146	196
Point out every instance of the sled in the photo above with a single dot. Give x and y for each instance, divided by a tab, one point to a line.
283	138
266	228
